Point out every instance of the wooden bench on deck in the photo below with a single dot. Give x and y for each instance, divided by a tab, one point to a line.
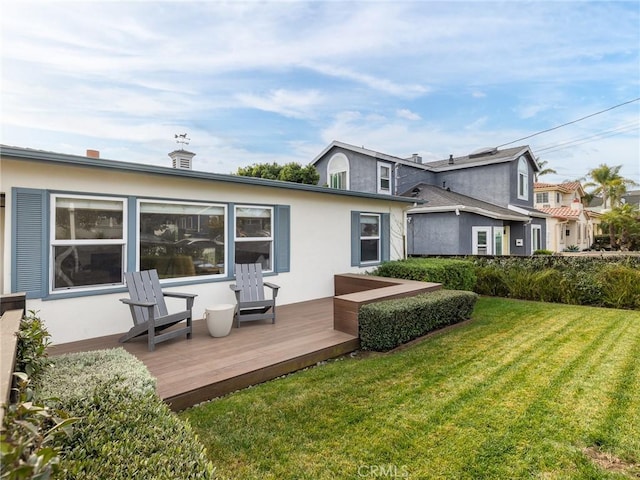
354	290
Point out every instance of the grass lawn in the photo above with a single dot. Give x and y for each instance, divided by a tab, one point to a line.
525	390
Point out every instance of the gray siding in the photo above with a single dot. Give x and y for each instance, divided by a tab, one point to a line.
433	234
407	177
491	183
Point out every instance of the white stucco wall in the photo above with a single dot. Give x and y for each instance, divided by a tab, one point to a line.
320	239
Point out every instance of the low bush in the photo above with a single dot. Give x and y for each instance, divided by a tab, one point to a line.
387	324
453	274
33	340
620	286
78	374
125	430
593	281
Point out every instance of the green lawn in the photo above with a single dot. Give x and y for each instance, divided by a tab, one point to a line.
525	390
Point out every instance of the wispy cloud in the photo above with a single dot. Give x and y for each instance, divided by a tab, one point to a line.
257	80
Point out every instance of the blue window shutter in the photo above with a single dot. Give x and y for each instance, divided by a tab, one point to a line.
355	239
133	235
29	243
385	237
282	238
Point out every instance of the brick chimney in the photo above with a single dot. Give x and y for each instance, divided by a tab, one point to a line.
93	153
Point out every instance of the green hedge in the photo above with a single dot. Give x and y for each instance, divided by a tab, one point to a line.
612	282
453	274
125	431
387	324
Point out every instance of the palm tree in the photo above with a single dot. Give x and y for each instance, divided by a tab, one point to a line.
608	183
543	171
623	223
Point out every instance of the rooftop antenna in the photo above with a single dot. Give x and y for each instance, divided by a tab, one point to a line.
182	139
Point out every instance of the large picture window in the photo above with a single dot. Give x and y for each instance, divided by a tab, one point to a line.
88	241
338	172
182	239
254	236
369	238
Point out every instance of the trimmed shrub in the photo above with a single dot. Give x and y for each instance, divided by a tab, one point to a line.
387	324
581	280
125	430
78	374
453	274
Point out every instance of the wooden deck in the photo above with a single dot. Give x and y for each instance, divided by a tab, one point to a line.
192	371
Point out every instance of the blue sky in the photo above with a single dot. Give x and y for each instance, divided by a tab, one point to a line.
277	81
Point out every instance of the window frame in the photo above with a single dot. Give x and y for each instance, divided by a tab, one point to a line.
488	230
542	197
271	238
377	237
536	238
338	168
53	243
138	236
523	179
380	178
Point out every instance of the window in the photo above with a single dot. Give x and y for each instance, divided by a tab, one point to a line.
338	172
481	240
536	238
542	197
182	239
369	238
87	241
384	178
523	179
254	237
498	239
558	198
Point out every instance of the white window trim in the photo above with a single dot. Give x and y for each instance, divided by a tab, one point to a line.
534	229
474	239
379	177
333	169
237	239
523	173
173	202
372	237
92	241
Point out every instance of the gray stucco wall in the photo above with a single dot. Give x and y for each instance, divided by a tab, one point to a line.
363	170
491	183
433	234
408	177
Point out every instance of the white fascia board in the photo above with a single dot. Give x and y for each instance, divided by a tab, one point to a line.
464	208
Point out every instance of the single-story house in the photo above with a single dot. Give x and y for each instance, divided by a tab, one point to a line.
71	226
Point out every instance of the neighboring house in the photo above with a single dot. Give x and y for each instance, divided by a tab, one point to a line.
569	225
71	226
480	204
631	197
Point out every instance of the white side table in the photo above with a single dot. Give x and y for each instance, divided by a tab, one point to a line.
220	319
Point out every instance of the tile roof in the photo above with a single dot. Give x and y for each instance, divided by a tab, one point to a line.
566	187
562	212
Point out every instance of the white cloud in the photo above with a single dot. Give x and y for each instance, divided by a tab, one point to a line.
407	114
284	102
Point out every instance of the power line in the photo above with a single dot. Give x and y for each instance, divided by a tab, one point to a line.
570	123
580	140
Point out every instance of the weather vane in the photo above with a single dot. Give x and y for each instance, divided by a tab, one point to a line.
182	139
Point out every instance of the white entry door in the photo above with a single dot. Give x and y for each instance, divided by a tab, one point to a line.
482	241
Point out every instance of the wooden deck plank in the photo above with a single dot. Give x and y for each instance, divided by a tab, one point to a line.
195	370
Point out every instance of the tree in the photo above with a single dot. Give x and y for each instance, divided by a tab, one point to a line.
543	170
608	183
290	172
623	223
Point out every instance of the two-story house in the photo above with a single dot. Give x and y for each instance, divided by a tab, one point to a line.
480	204
569	225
